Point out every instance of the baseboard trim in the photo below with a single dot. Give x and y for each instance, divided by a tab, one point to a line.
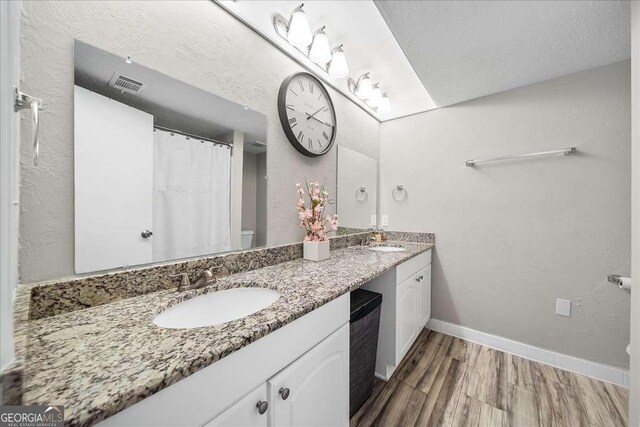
585	367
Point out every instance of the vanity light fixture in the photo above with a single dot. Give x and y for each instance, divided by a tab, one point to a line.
385	104
320	52
370	93
316	47
375	97
363	87
338	65
299	32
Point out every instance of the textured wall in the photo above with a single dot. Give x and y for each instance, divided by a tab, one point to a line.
514	236
196	42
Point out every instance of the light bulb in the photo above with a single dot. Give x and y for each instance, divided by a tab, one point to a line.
320	52
375	97
364	87
299	33
338	66
385	104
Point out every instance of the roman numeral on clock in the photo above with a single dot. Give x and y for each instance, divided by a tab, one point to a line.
310	144
325	135
293	122
300	136
301	85
311	87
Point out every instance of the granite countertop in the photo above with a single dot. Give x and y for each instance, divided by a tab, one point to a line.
101	360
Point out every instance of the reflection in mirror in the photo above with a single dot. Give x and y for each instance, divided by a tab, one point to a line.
163	170
357	190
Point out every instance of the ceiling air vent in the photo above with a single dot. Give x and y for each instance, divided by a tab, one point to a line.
126	84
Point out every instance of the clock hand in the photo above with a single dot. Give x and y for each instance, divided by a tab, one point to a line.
311	115
317	119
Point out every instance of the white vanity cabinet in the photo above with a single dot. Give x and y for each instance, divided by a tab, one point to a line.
406	315
309	357
406	309
251	410
313	390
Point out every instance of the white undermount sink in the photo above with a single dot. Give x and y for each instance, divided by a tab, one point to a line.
387	249
216	307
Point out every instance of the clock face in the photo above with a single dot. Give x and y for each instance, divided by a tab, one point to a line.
307	114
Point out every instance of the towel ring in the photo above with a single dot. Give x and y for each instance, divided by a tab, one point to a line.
399	189
360	191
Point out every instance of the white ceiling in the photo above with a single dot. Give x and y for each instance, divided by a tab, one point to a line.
173	103
369	45
467	49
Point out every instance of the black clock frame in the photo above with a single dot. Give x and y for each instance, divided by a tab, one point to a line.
284	120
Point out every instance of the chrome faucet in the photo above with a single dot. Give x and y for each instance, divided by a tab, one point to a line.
367	240
207	278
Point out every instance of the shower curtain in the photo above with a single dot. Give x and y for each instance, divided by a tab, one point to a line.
191	197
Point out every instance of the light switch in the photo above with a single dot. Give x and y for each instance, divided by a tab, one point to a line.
385	220
563	307
374	220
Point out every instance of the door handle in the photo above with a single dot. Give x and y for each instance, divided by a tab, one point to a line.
23	101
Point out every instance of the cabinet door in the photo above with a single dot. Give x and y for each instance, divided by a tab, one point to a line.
424	284
314	390
245	411
406	316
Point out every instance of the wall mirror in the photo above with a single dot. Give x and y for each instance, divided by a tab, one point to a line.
163	170
357	190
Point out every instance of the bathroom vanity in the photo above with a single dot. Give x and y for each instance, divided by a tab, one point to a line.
406	309
110	364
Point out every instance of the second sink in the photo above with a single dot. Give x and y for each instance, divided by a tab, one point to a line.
216	307
387	249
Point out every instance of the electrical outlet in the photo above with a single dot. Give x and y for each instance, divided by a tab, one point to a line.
385	220
374	220
563	307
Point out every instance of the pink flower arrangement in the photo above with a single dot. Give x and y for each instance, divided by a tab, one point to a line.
312	218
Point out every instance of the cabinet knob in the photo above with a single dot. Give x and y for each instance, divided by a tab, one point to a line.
146	234
284	393
262	406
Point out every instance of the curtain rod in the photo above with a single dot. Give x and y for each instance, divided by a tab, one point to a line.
188	135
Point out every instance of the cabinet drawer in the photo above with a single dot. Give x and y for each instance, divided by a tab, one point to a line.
412	266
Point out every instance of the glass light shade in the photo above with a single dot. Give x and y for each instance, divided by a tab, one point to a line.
375	97
299	33
364	89
320	52
385	104
338	66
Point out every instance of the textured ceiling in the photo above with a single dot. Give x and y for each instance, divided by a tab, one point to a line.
463	50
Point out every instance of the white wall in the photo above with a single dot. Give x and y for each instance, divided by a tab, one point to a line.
197	42
9	141
514	236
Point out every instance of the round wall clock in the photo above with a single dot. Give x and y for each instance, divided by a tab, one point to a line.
307	114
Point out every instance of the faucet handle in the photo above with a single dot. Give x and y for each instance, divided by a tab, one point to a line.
215	267
184	280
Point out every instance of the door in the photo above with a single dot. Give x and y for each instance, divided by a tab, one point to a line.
9	164
406	316
113	148
251	410
424	285
314	390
